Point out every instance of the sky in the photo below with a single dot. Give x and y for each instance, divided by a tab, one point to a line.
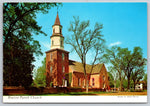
124	24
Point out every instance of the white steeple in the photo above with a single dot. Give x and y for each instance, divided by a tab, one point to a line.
57	39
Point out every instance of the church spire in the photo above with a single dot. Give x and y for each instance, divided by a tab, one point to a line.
57	22
57	39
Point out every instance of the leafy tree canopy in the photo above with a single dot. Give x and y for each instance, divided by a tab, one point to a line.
128	63
19	24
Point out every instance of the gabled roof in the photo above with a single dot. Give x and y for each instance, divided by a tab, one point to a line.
57	22
78	67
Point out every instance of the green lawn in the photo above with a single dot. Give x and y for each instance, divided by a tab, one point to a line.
74	93
64	94
84	93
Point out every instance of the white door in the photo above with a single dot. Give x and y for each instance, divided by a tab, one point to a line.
65	83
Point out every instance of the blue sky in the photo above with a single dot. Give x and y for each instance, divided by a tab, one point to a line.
125	25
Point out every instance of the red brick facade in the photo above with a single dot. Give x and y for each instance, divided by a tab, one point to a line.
78	79
95	80
57	64
58	67
103	76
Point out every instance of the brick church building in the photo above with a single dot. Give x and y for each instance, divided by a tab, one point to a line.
62	72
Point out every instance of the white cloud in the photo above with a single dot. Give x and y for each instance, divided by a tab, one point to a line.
115	43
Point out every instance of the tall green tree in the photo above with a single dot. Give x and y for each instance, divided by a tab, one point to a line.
112	56
19	24
125	61
137	75
145	80
40	75
84	40
115	75
125	84
133	63
125	58
111	80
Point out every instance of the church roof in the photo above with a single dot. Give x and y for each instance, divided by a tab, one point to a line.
78	67
57	22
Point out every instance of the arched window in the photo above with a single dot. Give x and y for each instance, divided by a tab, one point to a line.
79	81
63	69
61	43
93	83
60	31
54	30
51	69
63	82
63	56
103	78
52	42
104	85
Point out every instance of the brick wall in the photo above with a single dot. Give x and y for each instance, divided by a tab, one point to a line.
62	63
94	81
51	61
55	62
100	80
78	79
104	82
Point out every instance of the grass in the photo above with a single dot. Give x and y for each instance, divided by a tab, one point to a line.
63	94
75	93
84	93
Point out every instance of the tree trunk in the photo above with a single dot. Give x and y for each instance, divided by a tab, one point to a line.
134	85
115	85
87	90
11	70
120	83
128	83
85	74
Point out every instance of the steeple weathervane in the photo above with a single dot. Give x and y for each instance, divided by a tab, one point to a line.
57	9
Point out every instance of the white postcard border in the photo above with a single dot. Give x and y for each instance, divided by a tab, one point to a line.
75	99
